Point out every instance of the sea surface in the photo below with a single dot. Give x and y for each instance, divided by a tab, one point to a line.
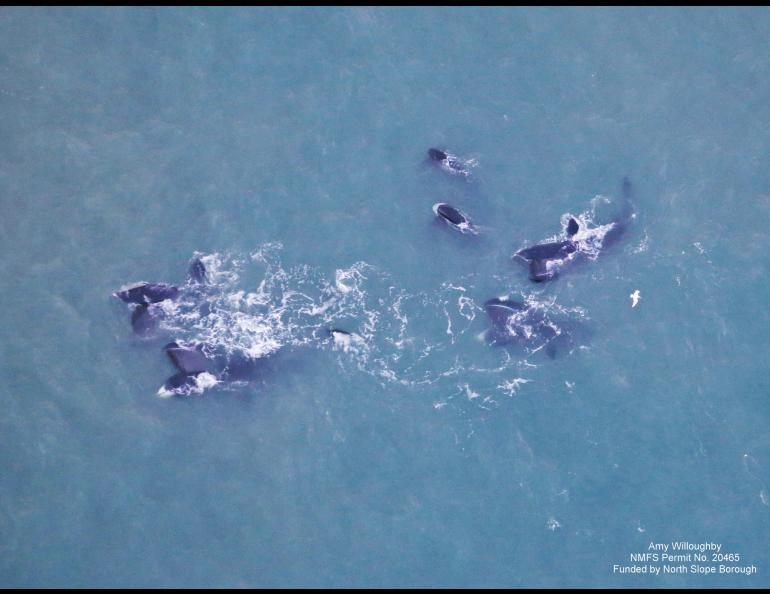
287	148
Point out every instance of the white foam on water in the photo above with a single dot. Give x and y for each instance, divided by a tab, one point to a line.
511	387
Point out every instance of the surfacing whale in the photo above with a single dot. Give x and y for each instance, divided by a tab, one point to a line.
147	298
448	162
546	259
453	217
200	366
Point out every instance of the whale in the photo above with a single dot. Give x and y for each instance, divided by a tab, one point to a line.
621	222
453	217
515	323
500	310
448	162
145	319
146	298
548	251
143	293
201	365
545	260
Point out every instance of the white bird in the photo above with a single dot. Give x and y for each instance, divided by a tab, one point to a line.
635	297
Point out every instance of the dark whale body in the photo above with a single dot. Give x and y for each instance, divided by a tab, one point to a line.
451	214
436	154
447	161
189	360
144	293
548	251
514	323
500	310
192	360
145	319
453	217
146	316
539	255
544	259
338	331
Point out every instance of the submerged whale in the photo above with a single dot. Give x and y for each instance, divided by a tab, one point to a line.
453	217
545	259
514	322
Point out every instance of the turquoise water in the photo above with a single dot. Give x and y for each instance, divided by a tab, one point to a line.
287	147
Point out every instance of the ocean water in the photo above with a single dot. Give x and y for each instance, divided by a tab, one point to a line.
287	147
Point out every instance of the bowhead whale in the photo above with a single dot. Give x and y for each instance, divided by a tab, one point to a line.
453	217
200	365
146	298
545	259
513	322
448	162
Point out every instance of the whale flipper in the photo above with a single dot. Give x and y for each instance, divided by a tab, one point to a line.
144	293
572	227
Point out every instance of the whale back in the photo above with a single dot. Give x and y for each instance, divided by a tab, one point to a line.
548	251
451	214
